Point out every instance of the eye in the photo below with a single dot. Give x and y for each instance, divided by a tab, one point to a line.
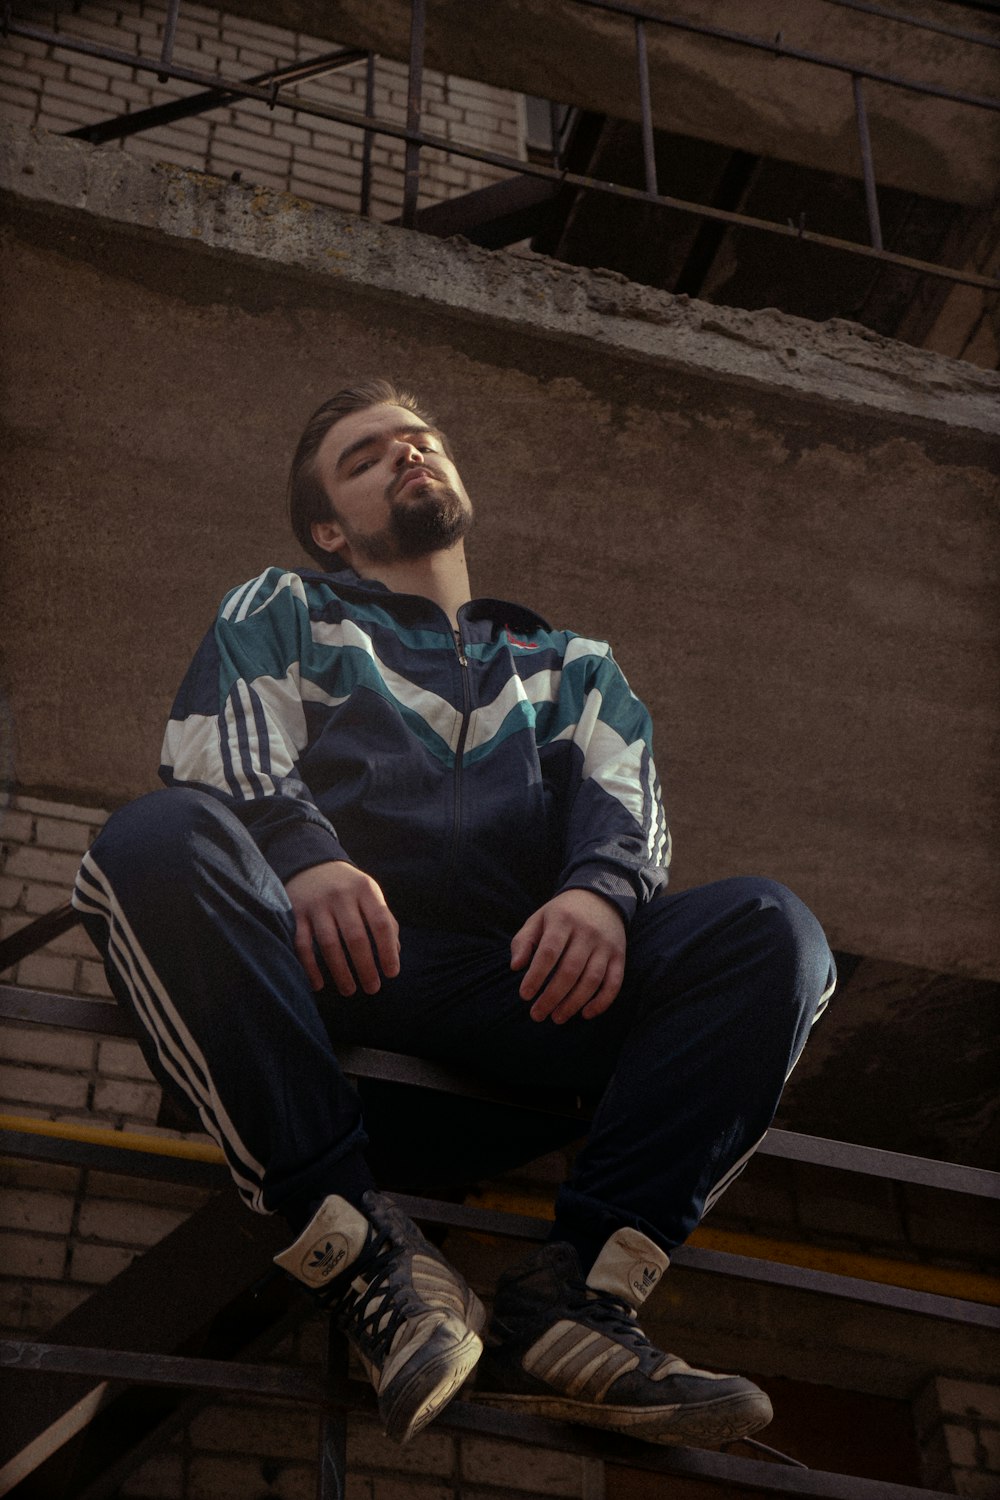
360	468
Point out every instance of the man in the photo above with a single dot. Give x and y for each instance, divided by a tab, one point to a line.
403	817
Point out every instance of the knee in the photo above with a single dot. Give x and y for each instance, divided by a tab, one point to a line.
793	940
158	832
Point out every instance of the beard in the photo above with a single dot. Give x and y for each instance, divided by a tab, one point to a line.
430	520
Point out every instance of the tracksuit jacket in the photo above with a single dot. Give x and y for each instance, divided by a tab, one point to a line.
472	774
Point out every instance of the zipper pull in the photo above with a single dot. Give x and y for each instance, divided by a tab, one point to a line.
463	660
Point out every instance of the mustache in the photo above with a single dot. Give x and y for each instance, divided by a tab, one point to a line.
425	471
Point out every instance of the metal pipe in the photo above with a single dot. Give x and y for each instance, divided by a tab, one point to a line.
867	166
645	106
368	140
918	23
411	169
169	30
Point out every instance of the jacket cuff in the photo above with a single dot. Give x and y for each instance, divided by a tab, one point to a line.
298	847
607	881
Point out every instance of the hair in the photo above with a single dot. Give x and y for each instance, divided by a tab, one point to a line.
307	499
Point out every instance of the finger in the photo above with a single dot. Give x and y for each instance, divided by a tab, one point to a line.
357	940
547	958
608	992
523	942
332	950
306	953
384	931
566	999
563	978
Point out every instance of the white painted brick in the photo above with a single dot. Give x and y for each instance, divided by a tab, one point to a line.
256	124
961	1444
48	1302
39	1176
126	1223
969	1398
34	1086
133	92
138	1101
43	864
293	133
92	980
93	815
27	1255
30	47
15	827
38	899
236	1479
175	156
273	34
259	147
18	96
288	1433
48	1213
19	114
122	1060
47	1046
62	833
90	78
975	1485
43	971
72	944
305	157
97	1264
371	1449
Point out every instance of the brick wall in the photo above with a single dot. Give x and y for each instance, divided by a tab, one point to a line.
317	159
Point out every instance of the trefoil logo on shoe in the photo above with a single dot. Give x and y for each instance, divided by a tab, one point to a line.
325	1258
643	1279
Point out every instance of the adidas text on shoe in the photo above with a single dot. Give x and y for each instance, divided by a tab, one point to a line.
409	1315
563	1347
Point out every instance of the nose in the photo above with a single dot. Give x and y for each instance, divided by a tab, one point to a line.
406	453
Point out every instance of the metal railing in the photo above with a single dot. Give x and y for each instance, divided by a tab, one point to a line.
270	90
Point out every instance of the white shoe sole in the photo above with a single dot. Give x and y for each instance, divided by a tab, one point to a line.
705	1424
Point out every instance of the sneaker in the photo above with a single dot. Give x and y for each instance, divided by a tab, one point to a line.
411	1318
564	1347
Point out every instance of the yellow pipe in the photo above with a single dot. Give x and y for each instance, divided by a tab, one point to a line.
125	1140
969	1286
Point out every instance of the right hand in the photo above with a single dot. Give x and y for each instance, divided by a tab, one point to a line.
342	911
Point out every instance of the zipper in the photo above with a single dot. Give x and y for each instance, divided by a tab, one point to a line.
463	662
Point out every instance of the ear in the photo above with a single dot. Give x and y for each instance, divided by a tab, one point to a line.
329	536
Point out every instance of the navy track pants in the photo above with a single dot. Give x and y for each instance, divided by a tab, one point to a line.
722	985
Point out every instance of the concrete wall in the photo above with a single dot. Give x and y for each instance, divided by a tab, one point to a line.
788	531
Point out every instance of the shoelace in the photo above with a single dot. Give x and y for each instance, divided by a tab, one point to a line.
617	1315
369	1316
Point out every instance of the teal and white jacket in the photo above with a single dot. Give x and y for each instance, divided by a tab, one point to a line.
472	778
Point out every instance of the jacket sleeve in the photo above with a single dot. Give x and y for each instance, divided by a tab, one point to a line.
617	841
238	724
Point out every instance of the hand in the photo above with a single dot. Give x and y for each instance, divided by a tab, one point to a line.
578	945
341	910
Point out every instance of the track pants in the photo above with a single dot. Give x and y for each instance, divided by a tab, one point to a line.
722	985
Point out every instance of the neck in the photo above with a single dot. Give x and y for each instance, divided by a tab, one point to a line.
442	577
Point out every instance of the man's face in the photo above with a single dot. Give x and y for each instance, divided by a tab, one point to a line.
394	491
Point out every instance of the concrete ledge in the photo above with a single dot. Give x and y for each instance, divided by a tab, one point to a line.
837	361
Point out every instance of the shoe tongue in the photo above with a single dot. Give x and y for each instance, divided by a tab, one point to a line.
331	1241
629	1267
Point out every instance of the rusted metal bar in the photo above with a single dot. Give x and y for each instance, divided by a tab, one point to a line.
645	106
534	169
45	1008
918	22
777	48
120	126
411	168
165	1369
36	934
867	166
169	31
368	139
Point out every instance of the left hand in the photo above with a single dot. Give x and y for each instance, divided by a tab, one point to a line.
576	944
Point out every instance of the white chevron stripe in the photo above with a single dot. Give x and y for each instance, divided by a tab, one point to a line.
179	1054
191	748
241	593
436	712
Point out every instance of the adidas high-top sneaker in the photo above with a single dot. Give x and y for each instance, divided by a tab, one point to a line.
411	1318
564	1347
